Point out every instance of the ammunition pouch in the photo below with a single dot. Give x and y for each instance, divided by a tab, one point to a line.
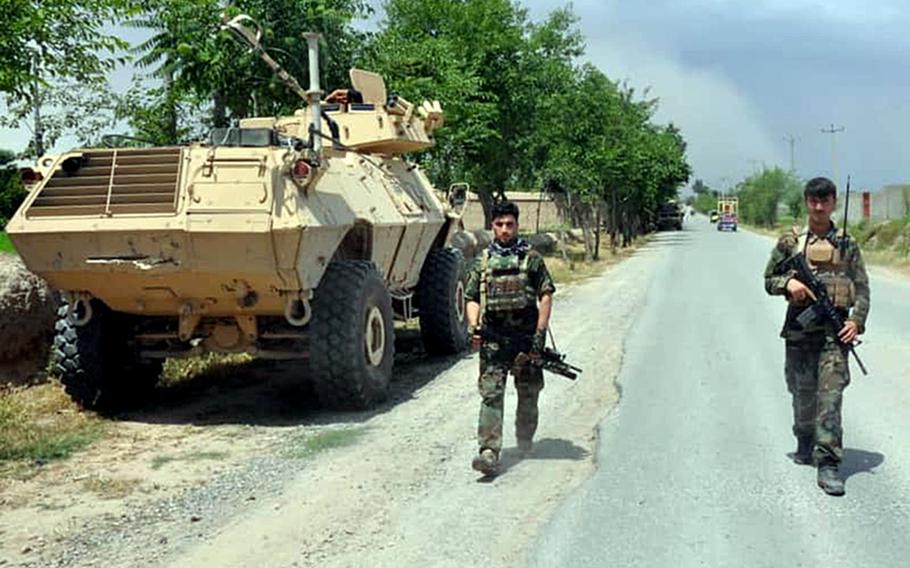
841	290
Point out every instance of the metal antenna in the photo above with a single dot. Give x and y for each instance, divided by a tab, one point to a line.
253	39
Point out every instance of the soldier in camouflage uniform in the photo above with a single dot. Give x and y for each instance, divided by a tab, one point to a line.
816	361
509	296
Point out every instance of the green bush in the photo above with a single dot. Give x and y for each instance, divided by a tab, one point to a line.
11	190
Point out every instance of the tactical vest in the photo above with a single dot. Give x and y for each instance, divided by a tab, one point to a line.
504	283
824	257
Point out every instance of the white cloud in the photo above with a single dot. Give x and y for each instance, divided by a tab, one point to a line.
726	139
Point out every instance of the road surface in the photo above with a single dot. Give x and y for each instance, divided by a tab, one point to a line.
692	466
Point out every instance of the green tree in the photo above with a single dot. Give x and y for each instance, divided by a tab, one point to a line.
487	64
761	194
54	58
199	67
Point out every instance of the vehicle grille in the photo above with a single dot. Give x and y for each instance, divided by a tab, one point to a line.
112	182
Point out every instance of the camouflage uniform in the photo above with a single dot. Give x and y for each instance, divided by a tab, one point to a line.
816	367
507	332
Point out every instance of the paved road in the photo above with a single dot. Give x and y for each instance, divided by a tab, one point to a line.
693	467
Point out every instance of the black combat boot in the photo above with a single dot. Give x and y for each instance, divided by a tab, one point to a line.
829	478
486	462
803	453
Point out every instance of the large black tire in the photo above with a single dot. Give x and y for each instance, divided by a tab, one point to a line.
352	337
97	363
440	299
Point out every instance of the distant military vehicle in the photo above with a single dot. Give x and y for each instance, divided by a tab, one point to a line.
670	216
273	238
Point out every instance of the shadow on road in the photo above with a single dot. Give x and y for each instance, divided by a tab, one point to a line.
267	393
544	449
668	239
859	461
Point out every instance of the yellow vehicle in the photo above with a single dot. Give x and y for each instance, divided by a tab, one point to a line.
727	206
293	237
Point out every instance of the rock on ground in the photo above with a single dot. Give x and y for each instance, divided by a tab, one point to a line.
27	311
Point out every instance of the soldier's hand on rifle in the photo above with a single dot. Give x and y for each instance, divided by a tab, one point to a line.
797	292
848	333
538	343
476	339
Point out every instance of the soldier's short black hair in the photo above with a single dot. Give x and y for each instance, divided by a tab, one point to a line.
503	208
820	188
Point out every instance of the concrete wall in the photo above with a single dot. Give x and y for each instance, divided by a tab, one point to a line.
890	202
528	206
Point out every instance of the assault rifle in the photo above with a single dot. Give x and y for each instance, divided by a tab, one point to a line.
822	308
550	360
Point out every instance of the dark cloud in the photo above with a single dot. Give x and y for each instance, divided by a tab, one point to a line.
739	76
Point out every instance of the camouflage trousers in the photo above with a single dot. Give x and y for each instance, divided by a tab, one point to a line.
817	373
496	362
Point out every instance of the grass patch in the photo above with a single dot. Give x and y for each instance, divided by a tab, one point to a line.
212	365
41	424
109	487
6	245
307	445
573	268
160	461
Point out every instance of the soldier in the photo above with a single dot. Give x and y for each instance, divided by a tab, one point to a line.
509	296
816	361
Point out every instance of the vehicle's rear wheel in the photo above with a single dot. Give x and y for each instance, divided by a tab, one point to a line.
440	299
97	362
352	338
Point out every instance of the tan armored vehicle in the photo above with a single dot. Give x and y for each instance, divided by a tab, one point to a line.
296	237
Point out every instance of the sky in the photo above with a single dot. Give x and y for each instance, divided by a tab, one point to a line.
740	77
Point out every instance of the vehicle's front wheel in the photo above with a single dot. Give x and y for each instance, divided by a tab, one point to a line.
97	362
440	299
352	337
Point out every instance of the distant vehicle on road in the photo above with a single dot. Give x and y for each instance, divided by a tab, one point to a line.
713	216
727	206
670	216
727	222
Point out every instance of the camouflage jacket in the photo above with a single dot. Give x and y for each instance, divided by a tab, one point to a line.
521	322
776	279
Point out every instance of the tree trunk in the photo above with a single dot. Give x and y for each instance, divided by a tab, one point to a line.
171	117
219	110
614	221
486	203
38	125
596	232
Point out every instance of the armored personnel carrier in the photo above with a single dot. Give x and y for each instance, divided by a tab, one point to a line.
294	238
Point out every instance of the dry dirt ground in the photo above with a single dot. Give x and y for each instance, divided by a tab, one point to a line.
244	470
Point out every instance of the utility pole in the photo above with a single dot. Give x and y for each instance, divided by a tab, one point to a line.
833	130
791	140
